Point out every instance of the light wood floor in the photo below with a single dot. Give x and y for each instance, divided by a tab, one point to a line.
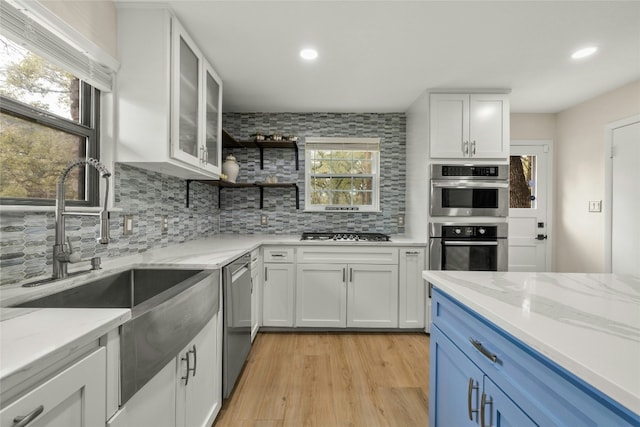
332	379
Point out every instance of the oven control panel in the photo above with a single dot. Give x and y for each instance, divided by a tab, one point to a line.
470	231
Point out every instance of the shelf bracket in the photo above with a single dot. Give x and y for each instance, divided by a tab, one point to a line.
188	185
261	160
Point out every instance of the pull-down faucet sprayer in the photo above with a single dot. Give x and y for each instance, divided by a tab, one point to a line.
63	253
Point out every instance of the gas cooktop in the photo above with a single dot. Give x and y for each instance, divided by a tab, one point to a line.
346	237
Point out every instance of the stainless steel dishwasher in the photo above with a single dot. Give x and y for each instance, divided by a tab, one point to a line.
237	320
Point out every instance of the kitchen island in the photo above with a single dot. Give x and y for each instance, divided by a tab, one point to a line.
559	349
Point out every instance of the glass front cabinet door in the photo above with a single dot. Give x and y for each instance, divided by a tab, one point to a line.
196	114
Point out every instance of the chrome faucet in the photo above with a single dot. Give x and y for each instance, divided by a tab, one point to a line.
63	253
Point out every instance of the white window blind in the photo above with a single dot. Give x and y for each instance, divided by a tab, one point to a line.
17	24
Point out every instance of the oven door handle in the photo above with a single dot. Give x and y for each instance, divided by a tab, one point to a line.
469	184
468	243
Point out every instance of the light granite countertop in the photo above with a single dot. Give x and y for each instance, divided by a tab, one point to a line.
587	323
30	337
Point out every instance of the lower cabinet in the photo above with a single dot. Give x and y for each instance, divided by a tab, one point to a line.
482	376
321	295
74	397
461	395
372	296
187	392
277	294
199	392
411	292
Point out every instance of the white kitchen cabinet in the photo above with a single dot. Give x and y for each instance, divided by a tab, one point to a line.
411	292
372	296
277	294
175	397
256	286
347	287
169	98
199	390
74	397
321	295
465	126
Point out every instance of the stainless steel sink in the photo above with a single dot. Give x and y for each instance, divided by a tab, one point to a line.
168	308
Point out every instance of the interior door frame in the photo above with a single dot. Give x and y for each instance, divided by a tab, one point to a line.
608	185
550	192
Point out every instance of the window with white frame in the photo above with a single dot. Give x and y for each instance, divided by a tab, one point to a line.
342	174
49	111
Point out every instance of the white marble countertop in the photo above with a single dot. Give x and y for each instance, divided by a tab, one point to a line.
587	323
29	337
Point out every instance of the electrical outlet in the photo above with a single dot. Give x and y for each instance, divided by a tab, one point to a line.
400	219
127	226
165	224
264	219
595	205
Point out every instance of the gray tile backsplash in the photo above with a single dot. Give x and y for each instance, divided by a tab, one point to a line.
26	238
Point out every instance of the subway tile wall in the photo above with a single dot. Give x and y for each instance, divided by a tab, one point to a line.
26	238
240	211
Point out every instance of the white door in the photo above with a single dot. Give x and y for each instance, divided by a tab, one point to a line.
625	199
321	295
372	296
529	247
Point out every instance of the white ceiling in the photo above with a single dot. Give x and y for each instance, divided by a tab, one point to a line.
379	56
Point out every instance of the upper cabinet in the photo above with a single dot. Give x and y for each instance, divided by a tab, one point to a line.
469	126
169	98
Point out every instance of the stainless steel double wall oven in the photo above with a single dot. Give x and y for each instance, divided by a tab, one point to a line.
473	201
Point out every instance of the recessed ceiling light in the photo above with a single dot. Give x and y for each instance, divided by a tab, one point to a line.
583	53
309	54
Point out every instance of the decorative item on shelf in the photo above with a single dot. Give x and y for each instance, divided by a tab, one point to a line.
224	177
230	167
258	136
290	138
271	179
277	137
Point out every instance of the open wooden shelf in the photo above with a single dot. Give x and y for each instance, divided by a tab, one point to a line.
260	185
229	141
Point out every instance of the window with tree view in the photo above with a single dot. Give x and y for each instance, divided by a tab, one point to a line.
522	189
342	174
48	118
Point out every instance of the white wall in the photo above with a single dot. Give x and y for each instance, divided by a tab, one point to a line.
579	172
95	20
417	160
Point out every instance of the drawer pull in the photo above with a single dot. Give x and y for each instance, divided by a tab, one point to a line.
472	386
486	353
484	401
24	420
412	252
277	255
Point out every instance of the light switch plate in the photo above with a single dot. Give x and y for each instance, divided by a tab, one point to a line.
127	226
595	205
264	219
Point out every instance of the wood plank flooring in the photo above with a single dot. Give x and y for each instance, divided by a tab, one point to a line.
332	379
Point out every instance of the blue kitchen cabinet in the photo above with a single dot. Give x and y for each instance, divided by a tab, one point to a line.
461	395
518	386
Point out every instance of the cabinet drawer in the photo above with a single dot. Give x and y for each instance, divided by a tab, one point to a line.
548	393
347	254
278	254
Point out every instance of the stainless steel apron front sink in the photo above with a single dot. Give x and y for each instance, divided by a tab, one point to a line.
168	309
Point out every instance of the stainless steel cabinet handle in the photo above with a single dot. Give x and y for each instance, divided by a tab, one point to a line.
473	148
187	359
351	275
195	359
465	147
486	353
484	401
412	252
206	155
470	410
22	421
344	274
265	274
